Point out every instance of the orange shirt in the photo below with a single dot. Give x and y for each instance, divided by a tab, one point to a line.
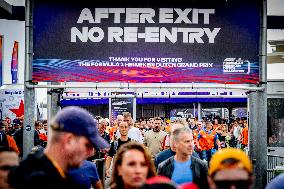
245	136
43	136
206	141
12	144
168	129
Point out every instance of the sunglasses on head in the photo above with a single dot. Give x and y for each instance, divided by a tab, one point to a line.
227	184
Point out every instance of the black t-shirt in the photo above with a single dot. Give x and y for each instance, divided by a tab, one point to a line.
114	146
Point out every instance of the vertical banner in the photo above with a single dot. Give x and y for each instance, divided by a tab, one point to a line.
1	60
120	105
14	63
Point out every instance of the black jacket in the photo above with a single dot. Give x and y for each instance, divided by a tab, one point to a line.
199	171
37	171
18	137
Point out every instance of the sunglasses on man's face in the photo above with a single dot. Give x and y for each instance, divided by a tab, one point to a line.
227	184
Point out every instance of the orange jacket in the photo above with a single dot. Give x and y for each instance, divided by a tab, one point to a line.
195	135
12	144
245	136
206	141
43	137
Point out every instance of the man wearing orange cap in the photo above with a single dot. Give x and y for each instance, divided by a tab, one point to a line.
230	168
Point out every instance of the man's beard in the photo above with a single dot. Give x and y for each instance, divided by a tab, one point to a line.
156	129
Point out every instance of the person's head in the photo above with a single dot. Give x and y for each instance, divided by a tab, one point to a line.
102	125
151	122
137	124
119	119
208	125
174	126
215	122
37	125
199	125
17	123
224	128
143	124
127	118
238	119
44	125
123	128
132	166
183	142
8	160
157	124
74	133
191	121
8	120
5	123
168	122
230	169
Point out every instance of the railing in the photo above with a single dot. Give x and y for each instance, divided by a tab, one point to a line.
272	162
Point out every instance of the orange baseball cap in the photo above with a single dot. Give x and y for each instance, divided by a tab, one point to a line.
218	161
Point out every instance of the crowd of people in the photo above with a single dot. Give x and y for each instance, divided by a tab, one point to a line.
148	153
11	133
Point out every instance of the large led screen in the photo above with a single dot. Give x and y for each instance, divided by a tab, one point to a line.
214	41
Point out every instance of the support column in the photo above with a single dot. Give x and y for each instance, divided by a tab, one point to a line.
223	113
53	107
258	111
199	109
258	136
29	96
134	109
194	110
29	121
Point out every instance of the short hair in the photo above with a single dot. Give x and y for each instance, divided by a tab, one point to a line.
175	126
176	133
116	180
37	123
119	116
157	118
126	114
103	120
208	123
181	121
